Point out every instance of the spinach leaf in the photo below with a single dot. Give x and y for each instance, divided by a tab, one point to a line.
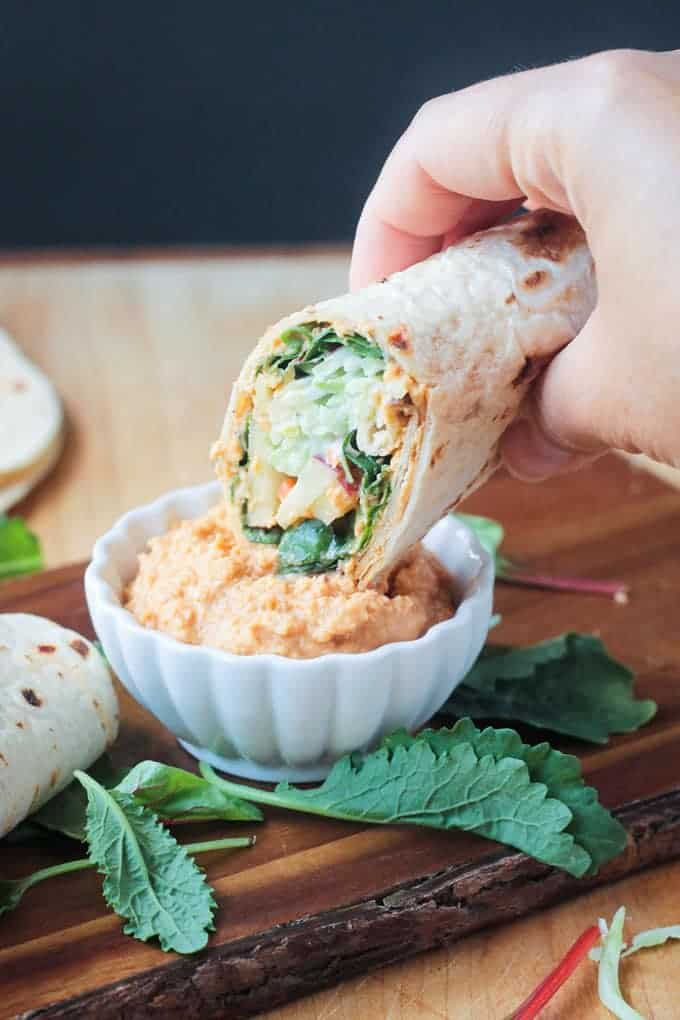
174	794
65	813
368	465
489	782
375	486
312	547
179	796
360	345
294	340
149	879
20	551
245	439
568	684
592	826
263	536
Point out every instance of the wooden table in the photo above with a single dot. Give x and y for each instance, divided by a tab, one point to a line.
144	352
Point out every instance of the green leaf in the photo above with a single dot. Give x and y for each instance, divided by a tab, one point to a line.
592	827
263	536
13	889
360	345
532	798
312	547
180	796
568	684
20	551
65	813
149	879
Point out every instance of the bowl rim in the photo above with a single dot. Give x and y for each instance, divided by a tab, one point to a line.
98	589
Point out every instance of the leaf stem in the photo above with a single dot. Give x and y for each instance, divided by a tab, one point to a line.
219	844
270	797
57	869
556	583
532	1006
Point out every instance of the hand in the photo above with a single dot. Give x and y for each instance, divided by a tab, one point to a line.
598	138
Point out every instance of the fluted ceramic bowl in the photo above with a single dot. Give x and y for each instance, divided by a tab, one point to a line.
265	716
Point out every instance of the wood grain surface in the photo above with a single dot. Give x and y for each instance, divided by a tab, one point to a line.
144	354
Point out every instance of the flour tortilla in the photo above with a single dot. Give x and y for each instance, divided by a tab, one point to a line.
58	711
15	492
31	416
471	326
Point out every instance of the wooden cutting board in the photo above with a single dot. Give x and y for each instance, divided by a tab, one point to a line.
315	900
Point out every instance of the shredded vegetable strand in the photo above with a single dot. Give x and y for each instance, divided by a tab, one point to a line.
554	981
608	986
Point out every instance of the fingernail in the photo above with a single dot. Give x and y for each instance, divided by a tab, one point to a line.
532	457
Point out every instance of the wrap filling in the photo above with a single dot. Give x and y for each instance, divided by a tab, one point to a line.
318	435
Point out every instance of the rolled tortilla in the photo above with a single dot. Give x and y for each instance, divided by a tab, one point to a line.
463	333
58	711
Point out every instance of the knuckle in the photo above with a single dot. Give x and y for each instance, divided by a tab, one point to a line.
617	74
428	112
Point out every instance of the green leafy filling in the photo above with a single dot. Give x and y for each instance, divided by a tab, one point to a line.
312	547
304	346
568	684
20	551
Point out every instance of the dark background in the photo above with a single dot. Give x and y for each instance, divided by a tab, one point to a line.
153	122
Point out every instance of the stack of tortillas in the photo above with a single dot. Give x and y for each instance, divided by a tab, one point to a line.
31	424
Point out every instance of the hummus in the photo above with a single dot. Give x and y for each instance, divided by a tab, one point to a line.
201	584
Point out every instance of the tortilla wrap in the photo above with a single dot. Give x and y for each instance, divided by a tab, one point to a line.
31	416
58	711
470	327
16	492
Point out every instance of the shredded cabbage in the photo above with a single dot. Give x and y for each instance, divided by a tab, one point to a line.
653	937
608	986
342	392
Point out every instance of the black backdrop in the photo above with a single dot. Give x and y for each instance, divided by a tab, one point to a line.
152	121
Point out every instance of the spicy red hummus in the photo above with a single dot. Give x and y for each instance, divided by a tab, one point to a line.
202	585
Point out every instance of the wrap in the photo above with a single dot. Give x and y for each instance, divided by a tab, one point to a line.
401	392
58	711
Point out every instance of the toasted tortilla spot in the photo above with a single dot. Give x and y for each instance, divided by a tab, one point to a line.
399	338
549	236
54	776
437	454
20	725
80	646
534	279
511	298
3	759
47	649
31	697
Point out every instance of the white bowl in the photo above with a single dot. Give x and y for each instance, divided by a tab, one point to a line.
264	716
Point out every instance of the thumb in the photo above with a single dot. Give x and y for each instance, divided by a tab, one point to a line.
568	419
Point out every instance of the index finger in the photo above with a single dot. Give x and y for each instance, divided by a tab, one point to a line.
456	169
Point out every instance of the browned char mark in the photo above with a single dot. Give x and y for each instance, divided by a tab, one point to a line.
534	280
31	697
399	338
80	646
549	235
